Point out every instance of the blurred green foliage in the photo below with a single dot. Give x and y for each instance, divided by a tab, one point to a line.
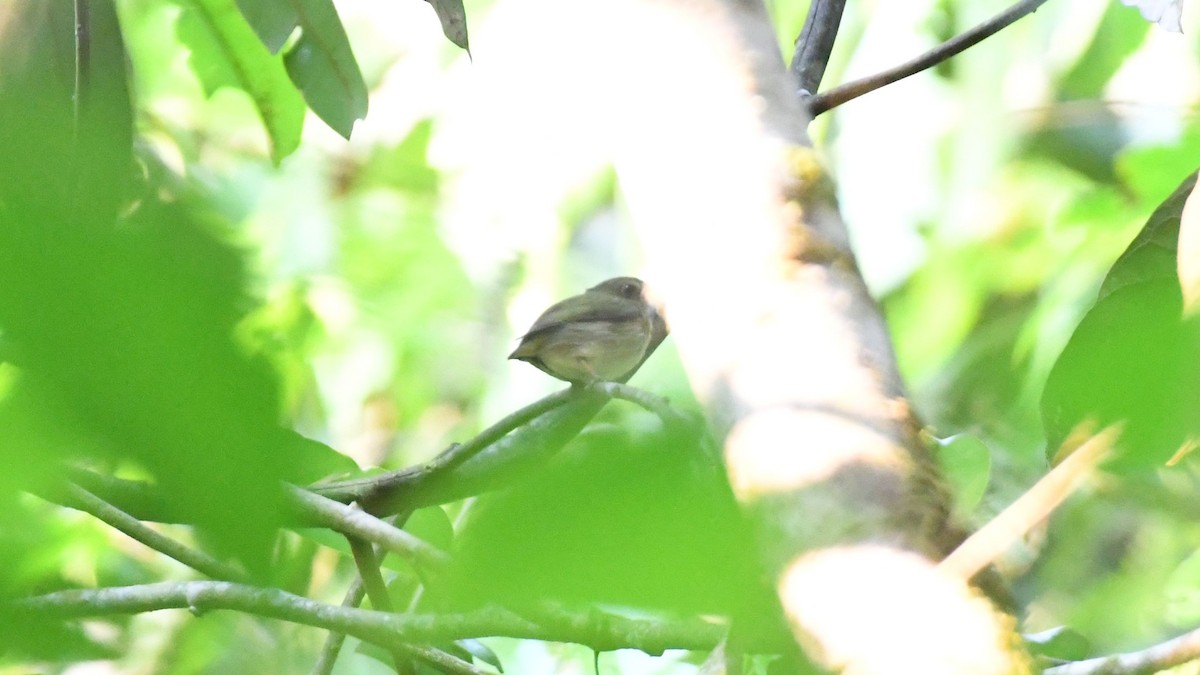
187	270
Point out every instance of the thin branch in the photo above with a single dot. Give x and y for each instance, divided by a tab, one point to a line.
1030	508
366	560
1162	656
77	498
852	90
335	639
593	629
368	572
609	632
351	520
372	580
815	43
652	403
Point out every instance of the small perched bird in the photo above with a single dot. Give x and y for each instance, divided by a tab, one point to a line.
603	333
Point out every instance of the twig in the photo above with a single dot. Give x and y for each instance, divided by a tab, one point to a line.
1162	656
1030	508
367	561
594	629
653	403
372	580
815	43
77	498
354	596
335	639
360	528
368	572
852	90
351	520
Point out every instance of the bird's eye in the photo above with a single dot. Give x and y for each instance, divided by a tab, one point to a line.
629	290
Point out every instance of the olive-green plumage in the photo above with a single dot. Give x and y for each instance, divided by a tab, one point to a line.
603	333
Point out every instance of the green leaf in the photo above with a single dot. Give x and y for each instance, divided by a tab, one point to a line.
1152	172
323	67
272	20
481	652
432	526
1132	358
1188	259
1183	591
454	21
226	52
1151	255
65	141
967	464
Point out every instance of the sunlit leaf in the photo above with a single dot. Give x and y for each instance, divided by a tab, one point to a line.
1188	259
1183	592
226	52
1152	254
323	67
1133	357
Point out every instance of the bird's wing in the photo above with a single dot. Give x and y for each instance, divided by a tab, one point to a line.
600	307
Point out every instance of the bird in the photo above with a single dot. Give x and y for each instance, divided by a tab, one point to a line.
602	334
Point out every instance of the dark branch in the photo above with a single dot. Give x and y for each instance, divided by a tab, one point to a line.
852	90
815	43
382	490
